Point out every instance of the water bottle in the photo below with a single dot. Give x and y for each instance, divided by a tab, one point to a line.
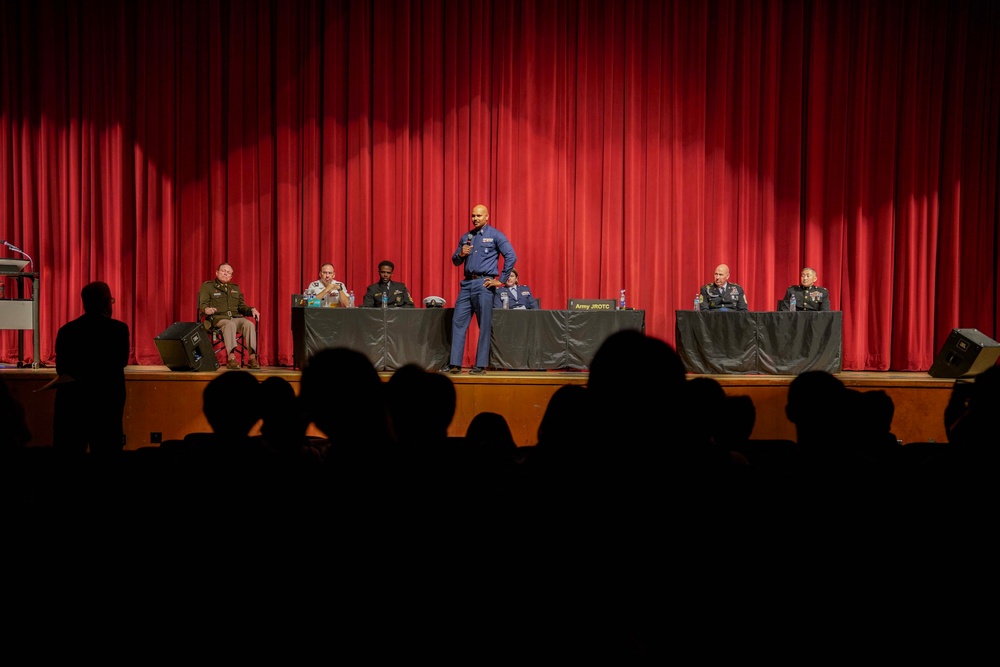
385	298
350	300
505	299
791	303
697	301
621	300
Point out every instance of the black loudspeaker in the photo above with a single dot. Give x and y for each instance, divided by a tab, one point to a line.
186	346
966	352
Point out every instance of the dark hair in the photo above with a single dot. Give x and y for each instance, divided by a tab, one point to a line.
386	262
95	296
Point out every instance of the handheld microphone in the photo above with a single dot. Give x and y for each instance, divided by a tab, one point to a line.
468	240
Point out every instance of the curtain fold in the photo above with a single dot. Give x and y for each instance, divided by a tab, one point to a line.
629	145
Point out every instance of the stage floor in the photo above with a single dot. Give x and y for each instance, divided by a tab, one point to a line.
164	404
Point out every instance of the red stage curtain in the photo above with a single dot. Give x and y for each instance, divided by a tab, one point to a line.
619	145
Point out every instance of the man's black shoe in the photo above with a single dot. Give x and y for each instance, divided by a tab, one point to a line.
454	369
478	371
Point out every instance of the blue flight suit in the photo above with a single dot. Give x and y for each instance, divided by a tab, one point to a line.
488	245
523	301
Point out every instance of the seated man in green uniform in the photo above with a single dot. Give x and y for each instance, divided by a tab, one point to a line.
221	303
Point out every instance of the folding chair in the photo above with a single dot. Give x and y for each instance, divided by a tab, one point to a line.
219	343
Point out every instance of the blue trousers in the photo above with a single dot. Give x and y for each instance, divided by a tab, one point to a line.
472	298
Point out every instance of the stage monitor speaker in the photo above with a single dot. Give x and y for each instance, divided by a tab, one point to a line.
186	346
966	352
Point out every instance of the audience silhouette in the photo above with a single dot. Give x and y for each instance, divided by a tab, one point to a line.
354	419
635	380
875	440
284	424
631	481
490	442
565	436
14	431
91	354
707	395
231	403
421	407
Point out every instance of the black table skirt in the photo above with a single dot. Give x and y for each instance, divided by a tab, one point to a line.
521	339
555	339
777	343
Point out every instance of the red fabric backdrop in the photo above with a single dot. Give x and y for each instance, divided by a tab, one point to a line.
618	144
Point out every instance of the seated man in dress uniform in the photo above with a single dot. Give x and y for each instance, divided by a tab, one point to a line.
808	295
722	294
397	296
221	304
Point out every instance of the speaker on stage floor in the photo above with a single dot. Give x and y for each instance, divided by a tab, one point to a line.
186	346
966	352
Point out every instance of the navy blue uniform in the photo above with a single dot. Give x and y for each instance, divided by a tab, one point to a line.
482	264
518	298
399	296
807	298
730	297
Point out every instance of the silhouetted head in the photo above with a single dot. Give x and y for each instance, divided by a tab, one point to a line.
342	393
565	423
629	362
817	401
490	440
879	410
97	298
706	392
231	403
741	416
284	419
421	403
637	397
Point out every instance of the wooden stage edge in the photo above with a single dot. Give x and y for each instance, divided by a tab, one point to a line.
168	403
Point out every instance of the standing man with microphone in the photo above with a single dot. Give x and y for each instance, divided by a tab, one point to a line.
478	253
